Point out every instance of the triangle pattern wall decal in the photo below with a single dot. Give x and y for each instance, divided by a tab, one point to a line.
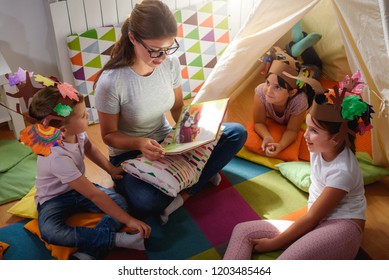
204	36
109	36
178	16
195	48
194	34
192	20
208	22
92	34
77	59
223	24
74	44
88	52
92	48
197	62
207	8
209	37
79	74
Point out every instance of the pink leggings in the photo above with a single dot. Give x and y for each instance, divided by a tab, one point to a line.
330	240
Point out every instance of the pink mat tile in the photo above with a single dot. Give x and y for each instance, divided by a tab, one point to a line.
217	212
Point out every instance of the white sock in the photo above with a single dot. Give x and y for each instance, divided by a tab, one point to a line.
215	180
82	256
173	206
130	241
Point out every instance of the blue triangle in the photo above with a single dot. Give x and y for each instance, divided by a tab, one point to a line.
82	88
93	48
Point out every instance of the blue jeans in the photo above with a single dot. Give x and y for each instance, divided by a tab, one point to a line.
144	200
52	215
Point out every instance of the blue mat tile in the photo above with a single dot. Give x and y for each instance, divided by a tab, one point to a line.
179	239
247	170
23	245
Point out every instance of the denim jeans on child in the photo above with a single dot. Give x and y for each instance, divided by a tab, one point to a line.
53	213
145	200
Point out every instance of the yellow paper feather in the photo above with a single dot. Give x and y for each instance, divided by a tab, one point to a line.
46	81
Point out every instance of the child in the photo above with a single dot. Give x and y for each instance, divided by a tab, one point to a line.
59	138
333	226
280	97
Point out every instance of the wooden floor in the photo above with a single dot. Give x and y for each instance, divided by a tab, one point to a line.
376	236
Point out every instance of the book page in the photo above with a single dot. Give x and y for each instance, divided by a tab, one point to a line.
197	125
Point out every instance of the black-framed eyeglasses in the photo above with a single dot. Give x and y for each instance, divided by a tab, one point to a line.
158	53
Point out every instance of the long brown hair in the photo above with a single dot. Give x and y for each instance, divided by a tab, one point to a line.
151	19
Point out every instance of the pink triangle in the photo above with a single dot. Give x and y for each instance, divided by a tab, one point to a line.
209	37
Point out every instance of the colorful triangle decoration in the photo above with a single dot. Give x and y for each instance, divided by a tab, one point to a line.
109	36
92	33
205	35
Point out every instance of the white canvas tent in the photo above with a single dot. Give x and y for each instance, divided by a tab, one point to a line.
362	27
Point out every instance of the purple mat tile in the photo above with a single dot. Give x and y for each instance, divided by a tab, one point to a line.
218	212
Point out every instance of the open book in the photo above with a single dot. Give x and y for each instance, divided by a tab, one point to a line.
197	125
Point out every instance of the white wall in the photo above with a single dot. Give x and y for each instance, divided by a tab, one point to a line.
26	38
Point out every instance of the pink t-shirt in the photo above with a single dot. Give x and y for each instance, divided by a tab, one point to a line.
63	165
296	105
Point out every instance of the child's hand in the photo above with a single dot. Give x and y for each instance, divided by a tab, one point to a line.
116	172
273	149
135	226
265	142
263	245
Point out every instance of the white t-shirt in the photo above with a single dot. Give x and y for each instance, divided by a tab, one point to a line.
341	173
140	101
63	165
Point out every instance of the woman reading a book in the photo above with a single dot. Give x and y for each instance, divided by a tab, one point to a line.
133	91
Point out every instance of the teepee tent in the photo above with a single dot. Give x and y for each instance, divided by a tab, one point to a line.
355	37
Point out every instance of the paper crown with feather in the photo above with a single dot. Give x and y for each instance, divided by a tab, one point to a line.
341	104
277	61
43	133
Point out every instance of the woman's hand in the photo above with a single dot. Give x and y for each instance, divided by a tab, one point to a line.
151	149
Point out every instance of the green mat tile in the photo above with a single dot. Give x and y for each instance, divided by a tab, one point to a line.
271	195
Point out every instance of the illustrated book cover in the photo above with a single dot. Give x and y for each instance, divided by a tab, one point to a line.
197	125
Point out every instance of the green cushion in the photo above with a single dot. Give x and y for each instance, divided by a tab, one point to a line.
11	153
298	172
371	173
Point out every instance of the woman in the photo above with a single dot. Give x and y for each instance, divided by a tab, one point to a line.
137	86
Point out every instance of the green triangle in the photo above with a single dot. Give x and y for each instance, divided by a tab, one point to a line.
75	44
90	34
109	36
194	34
220	53
178	16
197	62
195	48
223	24
206	8
198	76
95	63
